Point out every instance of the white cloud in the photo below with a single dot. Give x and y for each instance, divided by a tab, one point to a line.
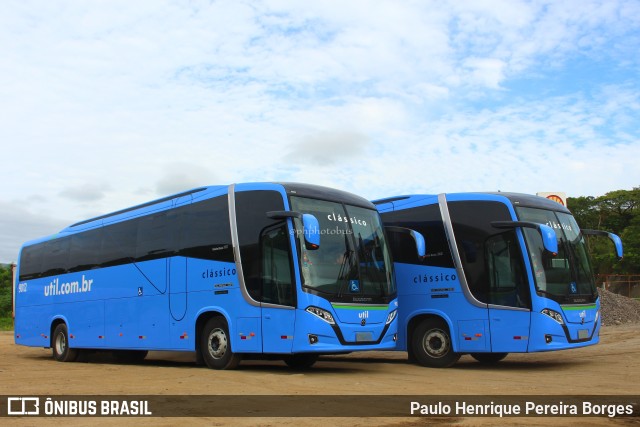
109	104
87	192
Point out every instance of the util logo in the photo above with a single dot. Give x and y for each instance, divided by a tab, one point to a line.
363	315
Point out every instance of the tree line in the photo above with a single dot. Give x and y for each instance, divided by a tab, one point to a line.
617	212
5	291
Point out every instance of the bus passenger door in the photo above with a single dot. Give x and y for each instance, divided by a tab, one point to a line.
508	294
277	296
265	250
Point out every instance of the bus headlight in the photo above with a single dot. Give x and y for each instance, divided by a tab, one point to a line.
391	316
553	314
597	316
323	314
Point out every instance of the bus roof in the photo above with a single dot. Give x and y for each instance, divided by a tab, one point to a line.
517	199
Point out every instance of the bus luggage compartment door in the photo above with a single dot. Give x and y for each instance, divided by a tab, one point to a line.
509	329
278	325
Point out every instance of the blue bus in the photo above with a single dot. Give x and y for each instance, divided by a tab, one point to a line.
503	272
281	269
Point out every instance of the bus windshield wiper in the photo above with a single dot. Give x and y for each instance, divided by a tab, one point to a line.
346	261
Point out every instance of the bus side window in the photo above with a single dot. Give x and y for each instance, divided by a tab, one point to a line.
31	262
119	243
491	259
427	221
253	223
55	259
153	237
85	253
277	283
200	230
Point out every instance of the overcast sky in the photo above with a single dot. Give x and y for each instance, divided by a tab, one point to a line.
106	104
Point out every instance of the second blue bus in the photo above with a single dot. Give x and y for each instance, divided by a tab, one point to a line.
503	273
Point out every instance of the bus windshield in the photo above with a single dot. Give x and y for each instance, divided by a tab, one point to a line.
353	262
566	277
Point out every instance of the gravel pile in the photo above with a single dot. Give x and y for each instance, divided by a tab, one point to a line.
617	309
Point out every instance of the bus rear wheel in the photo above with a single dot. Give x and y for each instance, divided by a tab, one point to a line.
489	358
301	361
215	345
432	346
60	345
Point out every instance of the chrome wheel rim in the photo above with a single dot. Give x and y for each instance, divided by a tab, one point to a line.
217	343
436	343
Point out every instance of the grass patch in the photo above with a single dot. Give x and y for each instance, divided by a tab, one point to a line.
6	324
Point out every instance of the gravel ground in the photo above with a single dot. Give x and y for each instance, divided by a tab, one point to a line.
617	309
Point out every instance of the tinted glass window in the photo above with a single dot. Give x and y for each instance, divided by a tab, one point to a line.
119	243
252	221
56	256
30	262
491	257
277	282
204	230
428	221
199	230
154	238
85	250
507	283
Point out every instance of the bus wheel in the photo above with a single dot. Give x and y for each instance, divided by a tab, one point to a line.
60	345
489	358
432	345
216	346
301	361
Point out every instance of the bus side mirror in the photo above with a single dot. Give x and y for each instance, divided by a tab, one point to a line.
421	246
549	238
617	241
311	230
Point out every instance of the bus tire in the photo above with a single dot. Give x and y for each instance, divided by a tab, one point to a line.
301	361
60	345
432	345
489	358
215	345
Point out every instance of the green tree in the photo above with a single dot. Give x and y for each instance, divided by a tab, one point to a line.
5	291
617	212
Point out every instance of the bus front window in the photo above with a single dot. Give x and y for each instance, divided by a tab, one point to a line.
566	277
352	263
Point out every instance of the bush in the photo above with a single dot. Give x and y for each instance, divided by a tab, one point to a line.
5	291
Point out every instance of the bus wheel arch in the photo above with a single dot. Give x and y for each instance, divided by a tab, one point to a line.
213	347
60	346
430	342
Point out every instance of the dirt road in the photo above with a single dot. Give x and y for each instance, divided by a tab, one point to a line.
610	368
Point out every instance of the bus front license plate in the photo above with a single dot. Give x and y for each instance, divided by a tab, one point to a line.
364	336
583	333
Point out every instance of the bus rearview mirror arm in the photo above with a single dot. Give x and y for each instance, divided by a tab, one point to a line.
310	226
617	241
417	237
549	238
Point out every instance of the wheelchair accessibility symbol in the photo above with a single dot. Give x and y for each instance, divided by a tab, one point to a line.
354	286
